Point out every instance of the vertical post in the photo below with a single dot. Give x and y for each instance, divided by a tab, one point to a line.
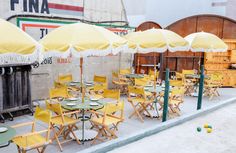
201	86
155	70
81	78
166	96
161	65
138	68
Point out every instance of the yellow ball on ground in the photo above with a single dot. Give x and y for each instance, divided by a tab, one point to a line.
209	130
205	125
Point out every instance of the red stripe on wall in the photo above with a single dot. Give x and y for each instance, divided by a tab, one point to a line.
65	7
38	26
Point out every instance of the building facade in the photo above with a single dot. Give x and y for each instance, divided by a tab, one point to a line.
39	17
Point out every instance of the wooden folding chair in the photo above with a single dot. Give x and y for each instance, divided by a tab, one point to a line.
212	85
188	83
57	93
125	71
62	120
34	139
175	99
139	101
105	121
152	75
120	82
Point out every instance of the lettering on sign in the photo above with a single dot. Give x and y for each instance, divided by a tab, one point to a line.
44	32
33	6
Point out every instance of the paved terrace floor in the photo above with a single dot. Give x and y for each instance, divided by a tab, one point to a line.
184	138
127	127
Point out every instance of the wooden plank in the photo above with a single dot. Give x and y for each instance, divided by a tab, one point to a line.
210	24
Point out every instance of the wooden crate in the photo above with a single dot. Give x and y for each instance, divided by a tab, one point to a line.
221	62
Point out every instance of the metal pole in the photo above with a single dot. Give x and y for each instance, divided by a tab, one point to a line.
155	70
201	86
166	96
81	79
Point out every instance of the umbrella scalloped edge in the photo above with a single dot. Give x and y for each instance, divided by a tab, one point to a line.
19	59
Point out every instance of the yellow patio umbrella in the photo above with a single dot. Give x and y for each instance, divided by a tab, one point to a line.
16	46
82	40
206	42
155	40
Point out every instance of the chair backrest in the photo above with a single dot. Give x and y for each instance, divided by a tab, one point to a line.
125	71
176	83
177	91
65	78
115	94
100	79
152	72
136	90
58	92
54	107
141	82
99	87
178	76
112	110
185	72
42	115
58	84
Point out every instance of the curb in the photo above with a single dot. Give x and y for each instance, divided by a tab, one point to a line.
122	141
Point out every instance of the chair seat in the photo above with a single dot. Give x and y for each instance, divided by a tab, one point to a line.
120	83
147	93
108	121
67	120
30	142
137	100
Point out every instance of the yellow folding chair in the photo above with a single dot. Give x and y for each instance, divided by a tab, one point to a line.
139	101
176	83
120	82
125	71
34	139
56	93
65	78
151	73
212	85
175	99
188	83
105	121
142	83
65	123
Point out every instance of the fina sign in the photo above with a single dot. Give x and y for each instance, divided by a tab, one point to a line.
59	7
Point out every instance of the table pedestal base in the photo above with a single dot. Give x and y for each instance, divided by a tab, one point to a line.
88	134
153	113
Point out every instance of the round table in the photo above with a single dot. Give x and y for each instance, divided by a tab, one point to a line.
86	134
134	76
5	137
151	89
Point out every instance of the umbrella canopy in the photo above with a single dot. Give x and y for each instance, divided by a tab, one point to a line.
82	40
16	46
206	42
155	40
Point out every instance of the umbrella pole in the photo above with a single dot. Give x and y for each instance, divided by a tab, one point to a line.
138	64
155	69
81	79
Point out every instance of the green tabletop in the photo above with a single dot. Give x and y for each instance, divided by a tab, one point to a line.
78	84
151	89
195	76
137	76
5	137
82	106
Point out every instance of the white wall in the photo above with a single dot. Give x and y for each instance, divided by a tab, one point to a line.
166	12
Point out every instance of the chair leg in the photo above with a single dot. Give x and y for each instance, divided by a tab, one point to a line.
70	128
56	134
136	112
18	149
43	149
